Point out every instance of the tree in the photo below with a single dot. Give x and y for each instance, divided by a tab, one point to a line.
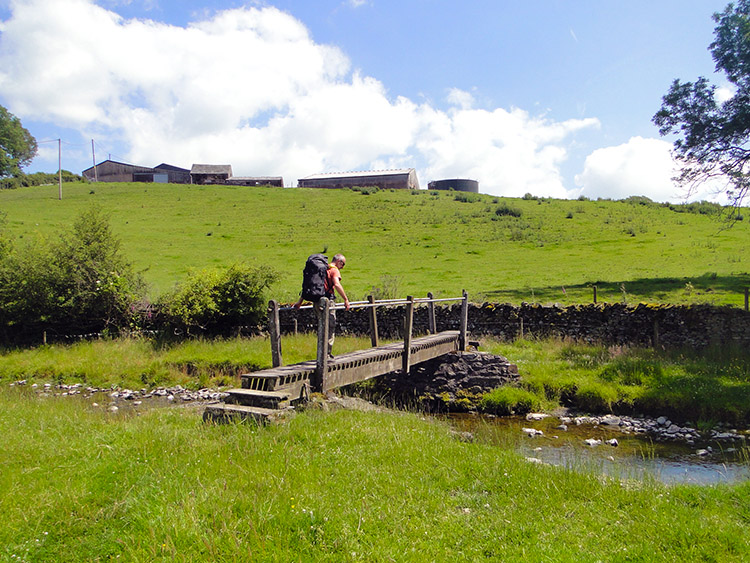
17	146
714	136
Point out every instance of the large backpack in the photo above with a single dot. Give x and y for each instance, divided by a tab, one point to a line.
314	277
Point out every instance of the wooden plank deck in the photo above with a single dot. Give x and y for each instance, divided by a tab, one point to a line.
292	383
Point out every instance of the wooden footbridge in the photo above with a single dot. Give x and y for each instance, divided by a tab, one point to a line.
270	392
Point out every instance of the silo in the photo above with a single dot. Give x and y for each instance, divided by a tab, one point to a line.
456	184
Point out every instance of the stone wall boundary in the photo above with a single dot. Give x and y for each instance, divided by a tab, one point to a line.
668	326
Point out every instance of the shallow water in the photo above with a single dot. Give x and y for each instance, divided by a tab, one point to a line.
637	456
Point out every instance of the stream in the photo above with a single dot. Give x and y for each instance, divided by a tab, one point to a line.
705	461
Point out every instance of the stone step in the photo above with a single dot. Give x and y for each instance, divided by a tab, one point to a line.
223	412
255	398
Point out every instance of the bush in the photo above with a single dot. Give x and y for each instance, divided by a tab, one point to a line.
505	210
217	301
80	283
509	400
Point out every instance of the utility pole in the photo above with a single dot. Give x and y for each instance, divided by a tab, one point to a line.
59	166
93	157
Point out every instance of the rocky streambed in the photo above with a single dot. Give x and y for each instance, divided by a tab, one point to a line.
115	398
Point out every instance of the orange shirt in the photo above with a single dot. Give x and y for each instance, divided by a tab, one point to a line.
332	276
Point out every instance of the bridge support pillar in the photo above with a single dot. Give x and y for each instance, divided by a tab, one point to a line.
464	322
408	326
274	331
323	310
374	339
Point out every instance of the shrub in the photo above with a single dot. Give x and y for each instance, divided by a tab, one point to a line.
505	210
509	400
216	301
80	283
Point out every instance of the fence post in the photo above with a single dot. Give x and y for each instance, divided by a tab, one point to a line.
464	321
323	309
656	333
747	298
374	340
274	330
594	295
408	322
431	315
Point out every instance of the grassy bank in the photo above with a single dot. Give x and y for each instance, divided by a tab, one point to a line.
498	249
702	387
79	484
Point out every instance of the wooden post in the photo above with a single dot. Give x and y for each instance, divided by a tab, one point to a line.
274	330
521	326
408	322
294	324
431	315
594	295
374	340
323	309
656	333
747	298
464	321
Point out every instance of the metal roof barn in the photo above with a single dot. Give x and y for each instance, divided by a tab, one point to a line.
399	179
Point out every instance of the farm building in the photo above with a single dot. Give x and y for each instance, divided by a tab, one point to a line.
112	171
400	179
457	184
255	181
210	173
173	174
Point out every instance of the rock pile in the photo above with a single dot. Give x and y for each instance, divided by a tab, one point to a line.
452	382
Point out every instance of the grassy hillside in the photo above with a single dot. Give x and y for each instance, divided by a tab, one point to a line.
425	241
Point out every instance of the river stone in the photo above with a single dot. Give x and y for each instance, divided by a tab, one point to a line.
536	416
592	442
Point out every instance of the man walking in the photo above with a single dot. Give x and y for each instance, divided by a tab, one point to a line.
332	286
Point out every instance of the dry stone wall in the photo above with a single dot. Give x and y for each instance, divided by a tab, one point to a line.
661	325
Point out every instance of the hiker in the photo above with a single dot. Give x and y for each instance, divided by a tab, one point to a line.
332	285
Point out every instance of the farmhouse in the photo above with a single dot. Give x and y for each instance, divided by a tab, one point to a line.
400	179
210	173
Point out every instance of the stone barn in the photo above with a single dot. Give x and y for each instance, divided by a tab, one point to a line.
210	173
399	179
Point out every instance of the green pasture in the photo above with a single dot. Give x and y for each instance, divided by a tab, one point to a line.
498	249
79	483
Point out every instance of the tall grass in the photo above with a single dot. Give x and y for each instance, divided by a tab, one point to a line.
690	385
82	485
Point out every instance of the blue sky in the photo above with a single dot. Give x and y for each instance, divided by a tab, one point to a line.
548	97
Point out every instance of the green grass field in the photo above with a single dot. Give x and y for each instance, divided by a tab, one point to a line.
81	484
417	242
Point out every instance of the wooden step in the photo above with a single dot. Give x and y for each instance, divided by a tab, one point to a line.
255	398
223	412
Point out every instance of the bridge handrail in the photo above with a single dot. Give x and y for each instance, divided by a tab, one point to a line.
323	306
377	303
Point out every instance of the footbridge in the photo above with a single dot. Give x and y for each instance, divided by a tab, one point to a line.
269	392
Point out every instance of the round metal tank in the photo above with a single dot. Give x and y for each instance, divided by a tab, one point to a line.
456	184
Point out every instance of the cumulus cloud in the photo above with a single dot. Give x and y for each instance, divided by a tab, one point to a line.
250	87
638	167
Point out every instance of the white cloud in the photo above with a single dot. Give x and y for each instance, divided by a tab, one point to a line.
638	167
250	87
